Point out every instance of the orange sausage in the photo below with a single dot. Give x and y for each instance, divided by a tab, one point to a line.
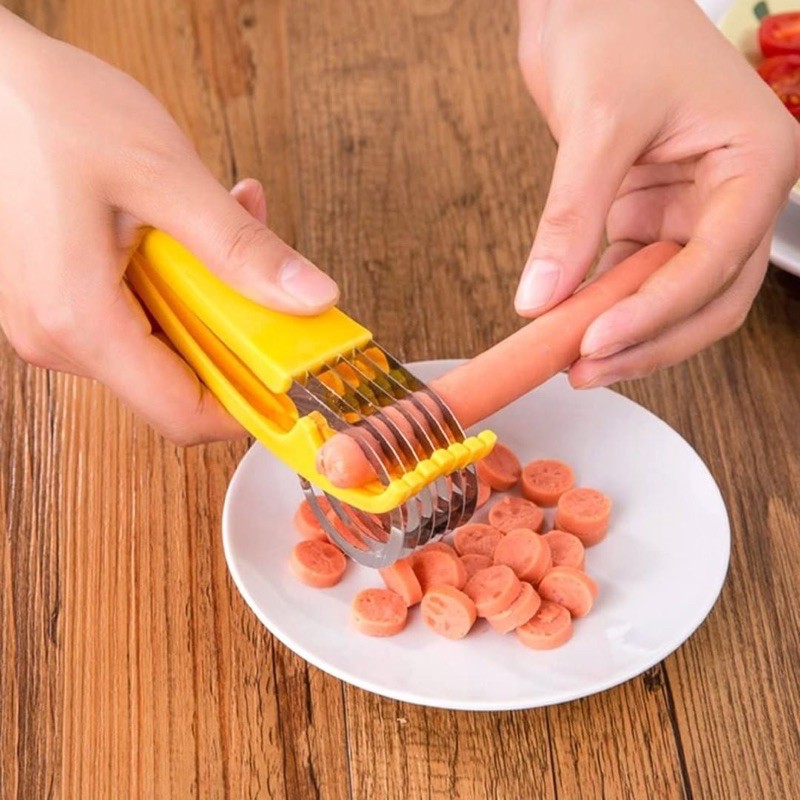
512	513
527	553
585	513
344	531
571	588
545	480
566	549
307	524
500	469
484	493
440	545
519	612
319	564
403	424
548	628
475	561
343	462
474	537
379	612
493	589
448	611
519	363
342	459
436	567
401	578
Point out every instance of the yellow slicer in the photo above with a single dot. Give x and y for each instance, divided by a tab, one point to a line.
293	382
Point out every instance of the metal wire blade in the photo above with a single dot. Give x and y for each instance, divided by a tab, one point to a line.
370	408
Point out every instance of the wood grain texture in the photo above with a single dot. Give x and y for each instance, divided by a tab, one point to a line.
401	153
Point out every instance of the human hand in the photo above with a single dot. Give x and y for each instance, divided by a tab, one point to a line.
664	132
89	157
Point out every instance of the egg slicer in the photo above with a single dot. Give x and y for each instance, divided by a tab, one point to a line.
294	381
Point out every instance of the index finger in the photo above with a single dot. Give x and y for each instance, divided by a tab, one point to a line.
155	382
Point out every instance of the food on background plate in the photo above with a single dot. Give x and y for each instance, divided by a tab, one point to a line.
779	41
779	34
782	73
505	571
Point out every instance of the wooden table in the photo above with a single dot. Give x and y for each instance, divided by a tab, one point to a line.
402	154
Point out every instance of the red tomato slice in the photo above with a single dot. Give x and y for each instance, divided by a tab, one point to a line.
782	73
779	34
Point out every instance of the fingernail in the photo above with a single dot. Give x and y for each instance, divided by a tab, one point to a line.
595	339
305	283
536	287
599	381
608	350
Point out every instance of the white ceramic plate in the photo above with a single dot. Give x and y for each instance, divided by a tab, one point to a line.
659	570
736	20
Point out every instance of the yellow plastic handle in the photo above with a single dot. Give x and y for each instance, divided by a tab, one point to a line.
277	347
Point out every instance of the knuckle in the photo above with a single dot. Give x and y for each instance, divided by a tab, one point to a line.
650	364
242	242
725	270
57	324
733	318
601	123
182	436
30	350
149	166
773	154
45	334
722	269
563	221
190	429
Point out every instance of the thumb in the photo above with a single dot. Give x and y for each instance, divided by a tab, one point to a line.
195	209
586	178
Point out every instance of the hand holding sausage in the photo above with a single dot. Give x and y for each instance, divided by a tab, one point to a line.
664	132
